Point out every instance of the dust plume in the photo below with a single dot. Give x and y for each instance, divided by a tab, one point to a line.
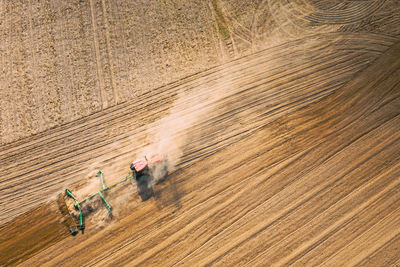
91	186
170	134
167	136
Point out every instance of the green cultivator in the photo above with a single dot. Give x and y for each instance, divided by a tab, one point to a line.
141	175
104	188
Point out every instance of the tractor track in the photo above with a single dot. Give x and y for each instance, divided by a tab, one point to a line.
373	148
359	118
124	110
57	162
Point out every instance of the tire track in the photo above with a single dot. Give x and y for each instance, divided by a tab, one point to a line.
385	255
287	156
336	145
347	15
109	53
26	151
29	175
103	99
81	123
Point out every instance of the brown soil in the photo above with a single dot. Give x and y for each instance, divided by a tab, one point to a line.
281	119
30	233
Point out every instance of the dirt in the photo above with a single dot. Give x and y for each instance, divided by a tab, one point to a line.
280	120
29	233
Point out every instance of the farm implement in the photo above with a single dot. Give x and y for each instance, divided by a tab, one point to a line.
142	174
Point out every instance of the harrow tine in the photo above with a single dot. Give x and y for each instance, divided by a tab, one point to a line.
105	201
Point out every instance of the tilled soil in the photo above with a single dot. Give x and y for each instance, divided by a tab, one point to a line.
287	153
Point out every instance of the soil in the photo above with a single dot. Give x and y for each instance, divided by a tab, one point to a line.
280	120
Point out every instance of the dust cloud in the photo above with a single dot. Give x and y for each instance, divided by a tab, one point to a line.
167	136
170	134
93	185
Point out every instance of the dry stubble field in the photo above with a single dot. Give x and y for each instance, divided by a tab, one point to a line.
281	119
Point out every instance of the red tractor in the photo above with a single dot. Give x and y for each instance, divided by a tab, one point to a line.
148	173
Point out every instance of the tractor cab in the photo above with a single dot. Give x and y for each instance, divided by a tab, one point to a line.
140	167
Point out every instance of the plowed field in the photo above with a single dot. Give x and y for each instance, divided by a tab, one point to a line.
280	119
